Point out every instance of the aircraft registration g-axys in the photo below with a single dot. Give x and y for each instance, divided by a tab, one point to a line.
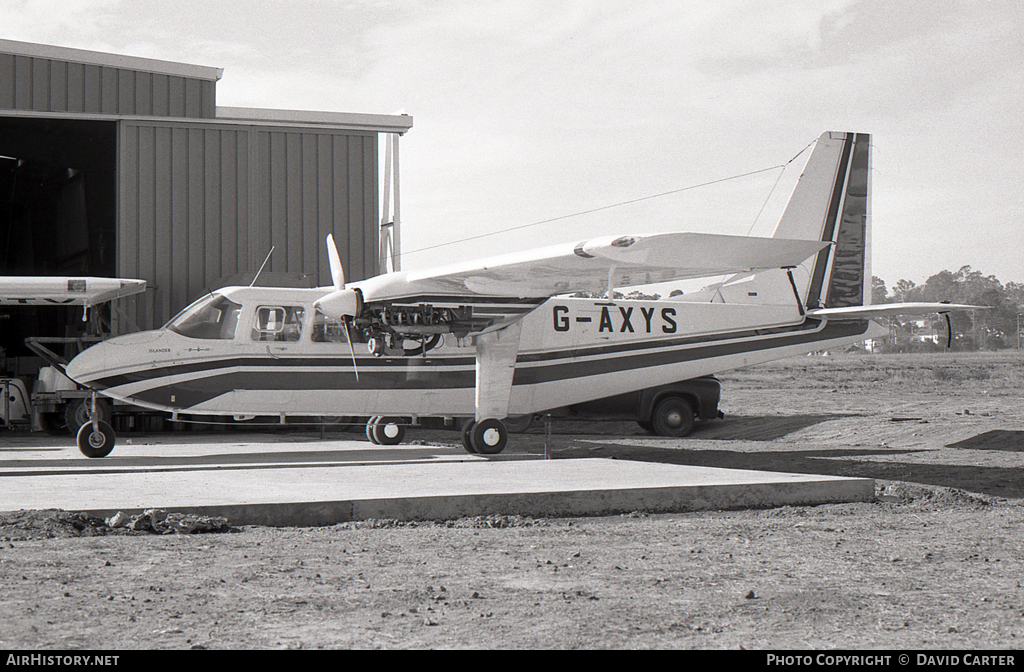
499	337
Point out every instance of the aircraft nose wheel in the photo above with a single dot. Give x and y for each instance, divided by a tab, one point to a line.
98	442
487	437
383	431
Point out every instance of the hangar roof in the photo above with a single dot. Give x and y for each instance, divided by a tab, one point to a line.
97	102
384	123
110	60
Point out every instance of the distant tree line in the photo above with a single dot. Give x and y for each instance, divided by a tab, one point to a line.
992	329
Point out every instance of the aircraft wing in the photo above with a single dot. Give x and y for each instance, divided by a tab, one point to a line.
887	309
596	264
65	291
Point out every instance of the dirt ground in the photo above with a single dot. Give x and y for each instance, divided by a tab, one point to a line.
934	563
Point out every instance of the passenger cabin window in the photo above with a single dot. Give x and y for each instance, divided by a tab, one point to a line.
327	329
212	317
278	323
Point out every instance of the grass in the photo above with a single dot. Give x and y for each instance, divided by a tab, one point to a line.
1003	368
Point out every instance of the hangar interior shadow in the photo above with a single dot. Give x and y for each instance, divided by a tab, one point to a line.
58	197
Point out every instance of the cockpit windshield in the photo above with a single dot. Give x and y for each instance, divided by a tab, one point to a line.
212	317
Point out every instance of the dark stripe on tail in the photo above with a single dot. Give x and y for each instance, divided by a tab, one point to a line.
818	277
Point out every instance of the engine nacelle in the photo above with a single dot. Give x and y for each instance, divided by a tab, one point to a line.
341	303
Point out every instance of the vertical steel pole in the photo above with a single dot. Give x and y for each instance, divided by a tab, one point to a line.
385	216
396	226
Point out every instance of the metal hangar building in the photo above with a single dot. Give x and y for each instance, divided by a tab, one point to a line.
120	166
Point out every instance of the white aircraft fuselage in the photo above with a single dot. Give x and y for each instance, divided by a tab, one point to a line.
569	350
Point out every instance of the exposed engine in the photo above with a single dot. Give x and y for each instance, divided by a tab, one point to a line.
398	330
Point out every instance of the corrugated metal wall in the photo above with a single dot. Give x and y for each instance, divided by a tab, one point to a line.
32	83
200	202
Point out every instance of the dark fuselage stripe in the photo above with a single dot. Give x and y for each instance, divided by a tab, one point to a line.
566	370
343	359
810	324
190	393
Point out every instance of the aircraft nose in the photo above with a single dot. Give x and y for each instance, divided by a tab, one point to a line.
98	360
88	365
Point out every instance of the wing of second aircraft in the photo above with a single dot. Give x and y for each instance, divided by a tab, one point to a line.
65	291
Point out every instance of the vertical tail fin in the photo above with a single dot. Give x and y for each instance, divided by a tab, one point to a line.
832	202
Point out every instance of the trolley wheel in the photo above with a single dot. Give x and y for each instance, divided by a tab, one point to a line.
98	442
387	431
76	413
489	436
673	416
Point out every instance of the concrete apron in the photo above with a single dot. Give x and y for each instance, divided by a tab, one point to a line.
412	483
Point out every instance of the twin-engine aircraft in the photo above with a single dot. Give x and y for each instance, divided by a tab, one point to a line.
501	337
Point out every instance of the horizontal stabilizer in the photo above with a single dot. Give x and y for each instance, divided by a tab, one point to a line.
888	309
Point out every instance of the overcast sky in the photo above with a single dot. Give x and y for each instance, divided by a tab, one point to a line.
529	110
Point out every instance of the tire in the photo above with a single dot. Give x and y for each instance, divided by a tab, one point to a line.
466	442
646	425
95	443
387	431
369	429
489	437
76	413
673	417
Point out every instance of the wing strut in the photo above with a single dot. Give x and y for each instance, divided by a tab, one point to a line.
796	292
495	366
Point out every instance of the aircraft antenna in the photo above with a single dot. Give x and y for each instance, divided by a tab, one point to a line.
777	179
253	283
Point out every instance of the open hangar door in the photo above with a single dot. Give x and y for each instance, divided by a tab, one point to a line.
57	217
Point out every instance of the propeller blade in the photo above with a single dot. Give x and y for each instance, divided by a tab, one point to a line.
351	349
337	272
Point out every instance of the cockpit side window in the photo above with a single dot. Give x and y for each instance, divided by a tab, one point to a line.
278	323
213	317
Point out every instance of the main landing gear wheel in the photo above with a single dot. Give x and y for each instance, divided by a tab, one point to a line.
383	431
98	442
488	437
673	417
466	443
